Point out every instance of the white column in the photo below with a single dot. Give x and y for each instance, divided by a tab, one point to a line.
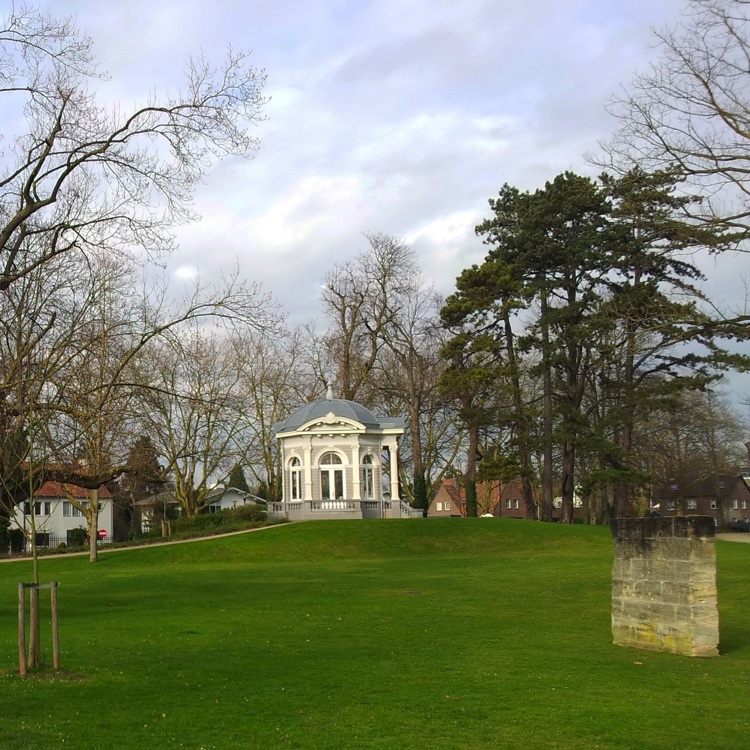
394	471
307	492
356	489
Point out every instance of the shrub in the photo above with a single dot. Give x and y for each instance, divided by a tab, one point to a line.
4	534
78	537
233	517
17	540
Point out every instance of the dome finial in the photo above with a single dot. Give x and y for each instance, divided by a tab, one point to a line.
329	388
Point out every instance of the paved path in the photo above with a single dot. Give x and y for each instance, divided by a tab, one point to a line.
737	536
107	550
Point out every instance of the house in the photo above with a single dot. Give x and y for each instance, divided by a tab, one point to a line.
339	461
448	500
56	519
151	511
226	498
165	506
725	497
496	498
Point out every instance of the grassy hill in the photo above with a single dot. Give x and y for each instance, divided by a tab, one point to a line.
445	633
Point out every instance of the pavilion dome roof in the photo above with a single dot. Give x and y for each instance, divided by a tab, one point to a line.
339	407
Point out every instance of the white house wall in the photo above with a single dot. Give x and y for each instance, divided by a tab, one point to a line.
57	525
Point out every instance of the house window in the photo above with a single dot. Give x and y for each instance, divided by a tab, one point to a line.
42	539
714	505
214	508
735	504
447	506
77	512
66	508
692	504
367	477
744	505
670	505
439	506
507	504
515	503
295	478
331	477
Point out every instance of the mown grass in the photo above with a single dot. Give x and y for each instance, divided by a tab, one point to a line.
445	633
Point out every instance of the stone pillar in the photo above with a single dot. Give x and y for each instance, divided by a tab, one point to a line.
664	585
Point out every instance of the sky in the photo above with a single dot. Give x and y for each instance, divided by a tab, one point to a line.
395	116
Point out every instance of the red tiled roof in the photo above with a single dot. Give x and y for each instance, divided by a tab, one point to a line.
55	489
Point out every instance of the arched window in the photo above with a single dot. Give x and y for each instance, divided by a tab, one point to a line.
331	477
295	479
368	478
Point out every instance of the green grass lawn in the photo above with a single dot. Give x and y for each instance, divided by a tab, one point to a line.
445	633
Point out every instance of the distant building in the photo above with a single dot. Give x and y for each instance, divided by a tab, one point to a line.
56	518
502	499
162	507
339	461
725	497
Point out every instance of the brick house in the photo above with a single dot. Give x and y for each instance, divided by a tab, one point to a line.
502	499
725	497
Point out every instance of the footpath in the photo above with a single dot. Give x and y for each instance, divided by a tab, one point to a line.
108	550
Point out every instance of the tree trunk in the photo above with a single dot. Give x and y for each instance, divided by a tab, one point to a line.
568	488
93	524
471	473
522	427
547	491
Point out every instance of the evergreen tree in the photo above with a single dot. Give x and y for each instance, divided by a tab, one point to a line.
237	479
612	321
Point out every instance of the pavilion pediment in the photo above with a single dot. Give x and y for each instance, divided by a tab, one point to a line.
332	422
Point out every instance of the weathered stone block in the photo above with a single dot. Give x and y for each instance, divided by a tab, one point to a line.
664	585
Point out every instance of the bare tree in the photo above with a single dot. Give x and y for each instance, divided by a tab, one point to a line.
195	409
360	299
691	110
73	335
77	175
409	371
274	383
698	437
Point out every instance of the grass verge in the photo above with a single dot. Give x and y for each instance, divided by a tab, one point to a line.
445	633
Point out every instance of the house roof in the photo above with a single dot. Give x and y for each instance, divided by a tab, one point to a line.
163	498
719	485
339	407
57	489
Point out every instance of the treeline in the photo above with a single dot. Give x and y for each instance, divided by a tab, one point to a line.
579	357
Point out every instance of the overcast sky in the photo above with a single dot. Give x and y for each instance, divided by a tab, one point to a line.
394	116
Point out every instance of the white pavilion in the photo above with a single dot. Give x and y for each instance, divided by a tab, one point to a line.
339	461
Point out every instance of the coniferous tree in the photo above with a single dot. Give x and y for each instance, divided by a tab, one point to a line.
237	479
